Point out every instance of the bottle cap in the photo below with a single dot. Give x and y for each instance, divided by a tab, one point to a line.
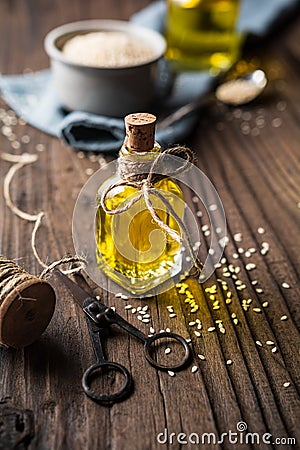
140	131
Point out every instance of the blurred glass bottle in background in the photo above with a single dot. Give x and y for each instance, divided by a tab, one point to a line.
202	34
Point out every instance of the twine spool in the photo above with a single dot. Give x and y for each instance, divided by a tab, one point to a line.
26	305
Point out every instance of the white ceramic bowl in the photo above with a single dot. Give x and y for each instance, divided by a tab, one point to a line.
113	91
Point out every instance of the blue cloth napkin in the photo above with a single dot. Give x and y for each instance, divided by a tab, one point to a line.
33	96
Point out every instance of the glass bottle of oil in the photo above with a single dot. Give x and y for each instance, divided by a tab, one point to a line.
131	247
202	34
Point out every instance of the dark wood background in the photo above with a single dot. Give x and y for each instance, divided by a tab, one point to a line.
256	173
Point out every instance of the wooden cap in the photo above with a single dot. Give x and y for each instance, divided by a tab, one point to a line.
140	131
26	312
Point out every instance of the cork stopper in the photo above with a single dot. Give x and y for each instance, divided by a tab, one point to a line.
26	312
140	131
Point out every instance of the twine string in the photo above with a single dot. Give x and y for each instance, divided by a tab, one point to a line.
12	274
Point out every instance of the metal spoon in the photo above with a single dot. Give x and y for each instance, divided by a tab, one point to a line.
236	92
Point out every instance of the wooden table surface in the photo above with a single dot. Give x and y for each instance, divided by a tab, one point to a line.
251	154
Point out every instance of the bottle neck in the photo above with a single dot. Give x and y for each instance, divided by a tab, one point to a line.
126	151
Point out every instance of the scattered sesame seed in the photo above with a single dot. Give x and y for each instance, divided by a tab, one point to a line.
258	343
140	317
172	315
152	330
212	207
240	250
15	145
250	266
202	357
257	310
238	237
25	139
277	122
223	261
171	373
259	290
285	285
128	306
254	282
247	254
287	384
146	320
168	350
270	342
211	329
219	229
229	362
195	199
199	213
284	318
197	333
235	255
89	171
194	369
265	304
133	310
261	230
274	350
145	308
188	340
224	241
139	308
222	330
235	321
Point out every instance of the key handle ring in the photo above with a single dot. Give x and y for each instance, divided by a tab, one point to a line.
156	337
107	399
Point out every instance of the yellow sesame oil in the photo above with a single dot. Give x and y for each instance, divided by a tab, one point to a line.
202	34
131	247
